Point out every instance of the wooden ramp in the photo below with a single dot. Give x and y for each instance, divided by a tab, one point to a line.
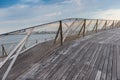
94	57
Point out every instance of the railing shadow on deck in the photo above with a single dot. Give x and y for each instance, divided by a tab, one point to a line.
57	32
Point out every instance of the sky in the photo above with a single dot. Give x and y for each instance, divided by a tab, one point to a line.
19	14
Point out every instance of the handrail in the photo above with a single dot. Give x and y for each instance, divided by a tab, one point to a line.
53	22
56	31
82	29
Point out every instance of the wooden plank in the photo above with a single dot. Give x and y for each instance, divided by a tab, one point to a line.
63	62
84	63
61	71
83	53
118	62
99	71
104	70
79	56
103	58
109	68
48	63
93	60
47	71
77	67
87	63
96	73
114	67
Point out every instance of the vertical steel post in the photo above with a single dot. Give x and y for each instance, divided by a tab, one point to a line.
61	35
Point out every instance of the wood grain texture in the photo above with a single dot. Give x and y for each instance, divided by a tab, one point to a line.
94	57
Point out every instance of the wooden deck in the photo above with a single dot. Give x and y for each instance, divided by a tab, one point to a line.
95	57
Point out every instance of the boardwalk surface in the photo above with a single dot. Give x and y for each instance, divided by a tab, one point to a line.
95	57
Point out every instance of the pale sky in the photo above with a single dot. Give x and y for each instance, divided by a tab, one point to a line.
19	14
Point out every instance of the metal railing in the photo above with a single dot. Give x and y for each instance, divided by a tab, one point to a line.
56	33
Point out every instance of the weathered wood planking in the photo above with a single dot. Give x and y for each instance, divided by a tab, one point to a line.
94	57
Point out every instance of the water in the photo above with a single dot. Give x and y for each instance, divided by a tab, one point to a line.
10	41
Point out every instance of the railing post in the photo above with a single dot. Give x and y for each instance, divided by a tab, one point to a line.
16	54
57	35
67	32
24	47
118	24
113	24
4	53
84	25
80	29
96	26
105	25
36	41
61	33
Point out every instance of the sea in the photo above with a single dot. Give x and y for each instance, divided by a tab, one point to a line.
10	41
